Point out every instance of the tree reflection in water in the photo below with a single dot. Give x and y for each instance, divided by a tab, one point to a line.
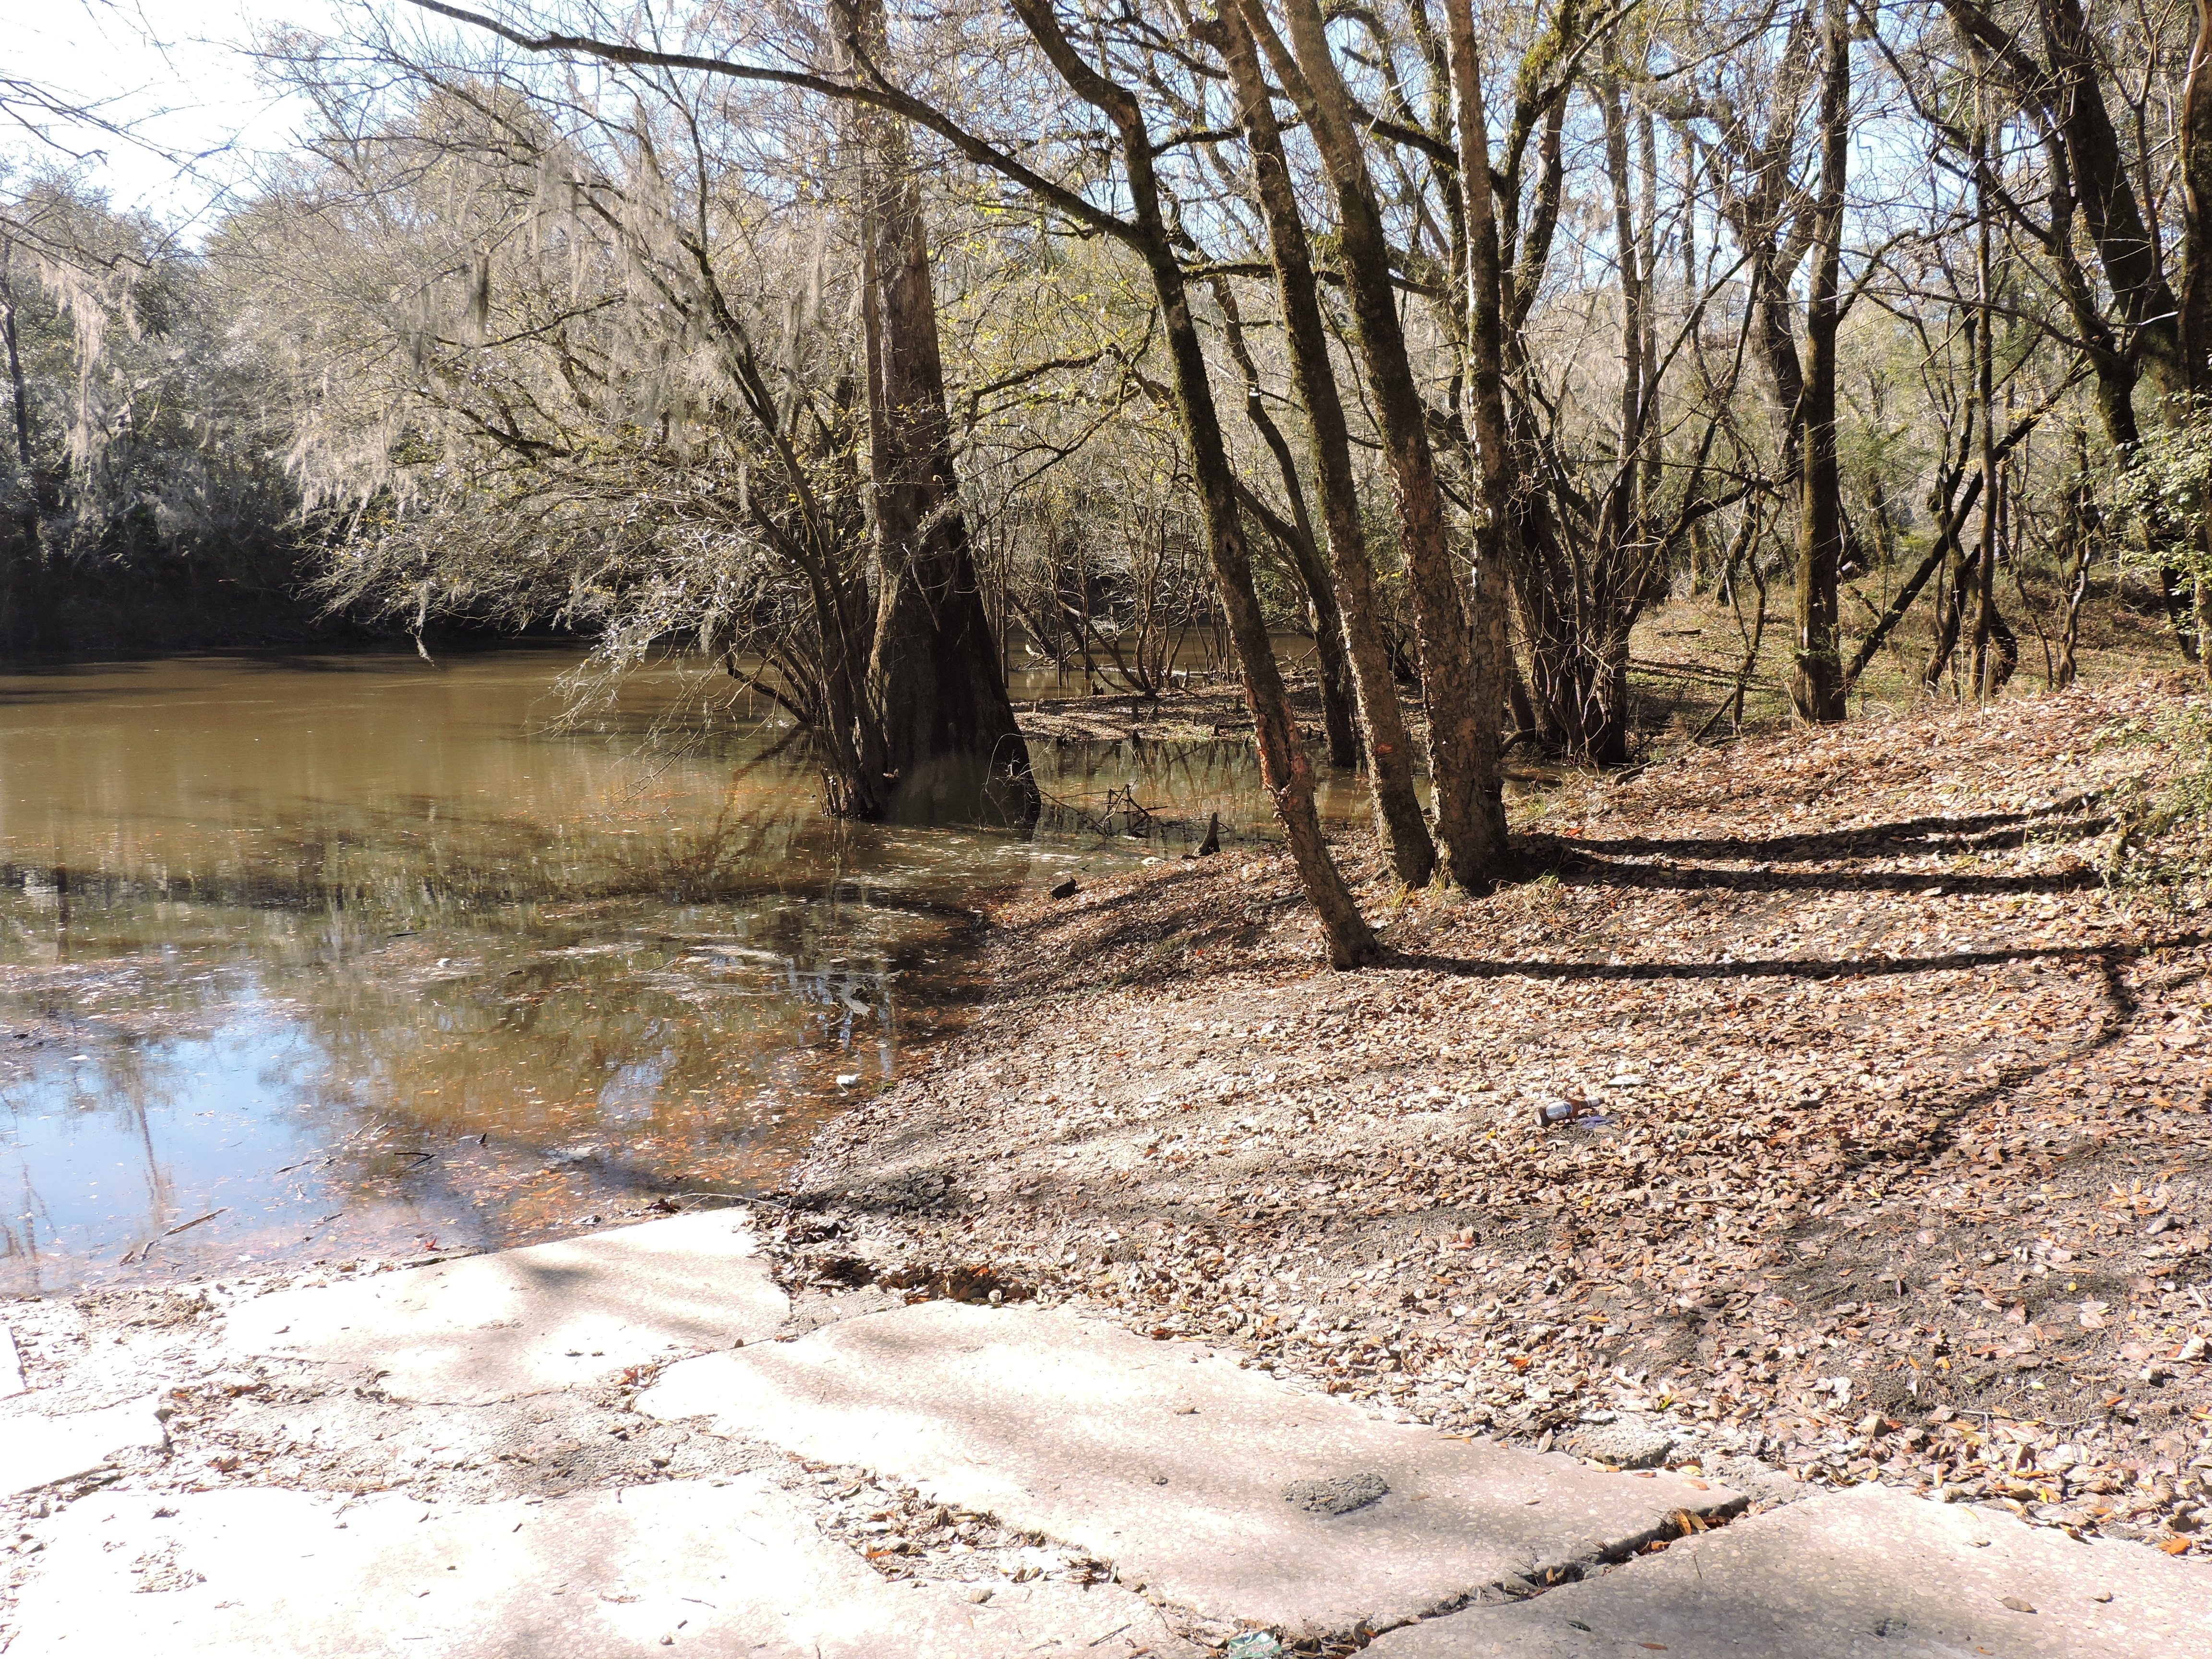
359	952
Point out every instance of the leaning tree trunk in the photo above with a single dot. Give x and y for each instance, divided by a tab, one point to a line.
951	748
1283	768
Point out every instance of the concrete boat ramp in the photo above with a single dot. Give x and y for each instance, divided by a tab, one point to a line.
931	1481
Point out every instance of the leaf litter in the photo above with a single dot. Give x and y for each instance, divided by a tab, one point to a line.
1886	1157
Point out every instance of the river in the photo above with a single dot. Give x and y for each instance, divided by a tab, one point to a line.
307	957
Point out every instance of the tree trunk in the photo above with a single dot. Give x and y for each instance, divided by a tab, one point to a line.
1985	587
1284	770
1544	580
2080	543
1399	824
18	567
1339	698
2195	302
1497	550
1950	614
1464	690
950	741
1817	687
1295	535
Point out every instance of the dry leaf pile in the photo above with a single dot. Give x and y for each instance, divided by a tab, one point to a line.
1889	1159
903	1535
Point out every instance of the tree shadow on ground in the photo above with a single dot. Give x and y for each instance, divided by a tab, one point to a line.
1783	966
1575	869
1979	832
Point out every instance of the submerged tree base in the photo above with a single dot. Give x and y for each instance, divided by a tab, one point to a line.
957	789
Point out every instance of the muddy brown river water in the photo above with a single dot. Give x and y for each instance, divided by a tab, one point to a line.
302	958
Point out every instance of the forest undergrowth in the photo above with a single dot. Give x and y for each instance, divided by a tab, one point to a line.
1886	1049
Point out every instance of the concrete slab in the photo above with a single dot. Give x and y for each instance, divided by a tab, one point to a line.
1851	1575
532	1320
1228	1492
684	1567
37	1450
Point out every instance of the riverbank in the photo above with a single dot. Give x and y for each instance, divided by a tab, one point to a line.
1892	1156
1887	1178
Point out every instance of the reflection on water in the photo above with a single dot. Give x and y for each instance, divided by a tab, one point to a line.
302	958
